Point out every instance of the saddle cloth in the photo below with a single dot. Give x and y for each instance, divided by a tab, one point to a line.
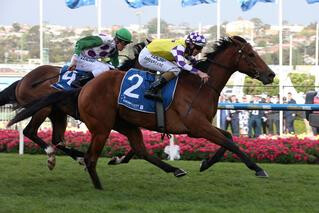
133	86
66	78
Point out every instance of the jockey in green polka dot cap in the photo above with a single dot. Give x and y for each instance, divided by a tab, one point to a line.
90	49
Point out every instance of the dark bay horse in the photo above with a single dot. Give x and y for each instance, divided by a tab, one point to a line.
37	84
191	112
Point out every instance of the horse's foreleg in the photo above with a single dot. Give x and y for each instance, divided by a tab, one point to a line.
59	123
218	155
30	131
97	143
135	138
124	159
211	133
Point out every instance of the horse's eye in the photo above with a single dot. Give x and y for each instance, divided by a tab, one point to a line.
251	55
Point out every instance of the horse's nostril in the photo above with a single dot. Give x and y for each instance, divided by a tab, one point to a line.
272	75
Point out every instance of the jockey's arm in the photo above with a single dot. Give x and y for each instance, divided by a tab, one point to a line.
178	53
115	59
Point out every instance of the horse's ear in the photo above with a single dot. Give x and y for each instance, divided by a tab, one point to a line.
148	41
232	40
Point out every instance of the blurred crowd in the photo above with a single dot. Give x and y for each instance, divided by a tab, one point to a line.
253	123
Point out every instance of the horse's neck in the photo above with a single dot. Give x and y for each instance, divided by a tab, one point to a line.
219	78
221	74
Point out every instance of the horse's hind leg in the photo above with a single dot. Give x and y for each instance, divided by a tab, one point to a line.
30	131
211	133
135	137
59	123
218	155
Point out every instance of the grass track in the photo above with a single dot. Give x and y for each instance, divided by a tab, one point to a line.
26	185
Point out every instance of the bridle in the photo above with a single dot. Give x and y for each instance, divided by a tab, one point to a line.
242	54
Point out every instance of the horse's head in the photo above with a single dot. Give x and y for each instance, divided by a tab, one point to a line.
248	61
133	63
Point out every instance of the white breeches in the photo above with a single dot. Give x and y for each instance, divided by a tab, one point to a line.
157	63
92	65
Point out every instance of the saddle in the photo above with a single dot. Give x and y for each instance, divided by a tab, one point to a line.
133	87
66	78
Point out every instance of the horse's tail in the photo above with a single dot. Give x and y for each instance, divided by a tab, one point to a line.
56	99
8	95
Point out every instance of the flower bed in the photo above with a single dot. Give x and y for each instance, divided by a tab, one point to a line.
286	149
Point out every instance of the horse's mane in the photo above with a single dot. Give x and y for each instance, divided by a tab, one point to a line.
219	46
222	44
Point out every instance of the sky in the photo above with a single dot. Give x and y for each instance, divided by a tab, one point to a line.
117	12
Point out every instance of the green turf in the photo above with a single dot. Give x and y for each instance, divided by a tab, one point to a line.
26	185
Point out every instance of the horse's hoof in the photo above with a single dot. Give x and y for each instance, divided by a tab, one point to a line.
203	166
80	160
179	173
262	174
112	161
116	160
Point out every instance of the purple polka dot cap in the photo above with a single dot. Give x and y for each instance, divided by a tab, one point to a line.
196	38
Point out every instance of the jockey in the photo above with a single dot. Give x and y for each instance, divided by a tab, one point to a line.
91	48
170	57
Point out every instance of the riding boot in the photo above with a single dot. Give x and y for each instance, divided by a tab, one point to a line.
151	93
81	80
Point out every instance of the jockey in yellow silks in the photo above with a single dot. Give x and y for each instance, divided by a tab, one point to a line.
169	57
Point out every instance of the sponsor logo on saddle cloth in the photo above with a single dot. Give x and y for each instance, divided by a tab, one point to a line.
133	86
66	77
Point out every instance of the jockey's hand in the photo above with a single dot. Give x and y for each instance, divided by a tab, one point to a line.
74	61
203	76
72	67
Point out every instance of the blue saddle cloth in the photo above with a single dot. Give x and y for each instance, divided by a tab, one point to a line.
66	78
133	86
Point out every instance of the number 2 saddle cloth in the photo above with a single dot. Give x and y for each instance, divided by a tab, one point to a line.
133	86
66	78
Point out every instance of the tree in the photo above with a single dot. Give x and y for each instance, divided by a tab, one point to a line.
255	87
16	27
257	23
303	82
213	32
32	42
152	26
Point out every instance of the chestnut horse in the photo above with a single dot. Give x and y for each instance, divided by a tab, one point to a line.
37	84
191	111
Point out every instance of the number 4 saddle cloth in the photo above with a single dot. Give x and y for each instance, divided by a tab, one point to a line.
66	78
133	86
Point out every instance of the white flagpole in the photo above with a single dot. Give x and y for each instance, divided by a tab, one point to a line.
316	60
290	50
159	19
41	30
218	18
317	38
280	66
98	4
